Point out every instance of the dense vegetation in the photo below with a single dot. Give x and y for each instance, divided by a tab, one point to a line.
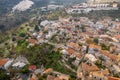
3	76
42	55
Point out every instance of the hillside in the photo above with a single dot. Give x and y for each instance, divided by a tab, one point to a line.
9	20
23	5
68	2
6	5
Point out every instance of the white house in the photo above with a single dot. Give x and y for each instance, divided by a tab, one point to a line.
8	64
44	23
20	62
18	65
64	52
54	7
91	57
116	70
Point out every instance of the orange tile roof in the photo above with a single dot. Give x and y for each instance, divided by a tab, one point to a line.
94	46
32	79
49	77
48	70
106	53
57	78
3	62
98	73
32	41
78	55
64	77
20	79
74	45
89	68
71	51
105	72
101	73
118	36
113	78
88	33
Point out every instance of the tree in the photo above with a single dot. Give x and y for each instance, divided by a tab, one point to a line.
13	39
89	41
99	65
80	44
83	28
3	76
25	70
37	28
77	26
104	47
96	40
22	35
70	60
116	75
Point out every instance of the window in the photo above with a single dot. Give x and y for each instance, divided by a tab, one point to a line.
94	77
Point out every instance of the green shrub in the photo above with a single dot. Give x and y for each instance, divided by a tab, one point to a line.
22	34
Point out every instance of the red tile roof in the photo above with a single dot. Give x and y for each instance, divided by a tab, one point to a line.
71	51
118	36
3	62
89	68
78	55
49	77
74	45
113	78
105	72
57	78
94	46
32	41
32	67
106	53
64	77
116	23
32	79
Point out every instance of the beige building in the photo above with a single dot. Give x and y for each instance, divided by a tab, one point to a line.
102	1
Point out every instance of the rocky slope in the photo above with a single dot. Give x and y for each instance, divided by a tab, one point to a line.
23	5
